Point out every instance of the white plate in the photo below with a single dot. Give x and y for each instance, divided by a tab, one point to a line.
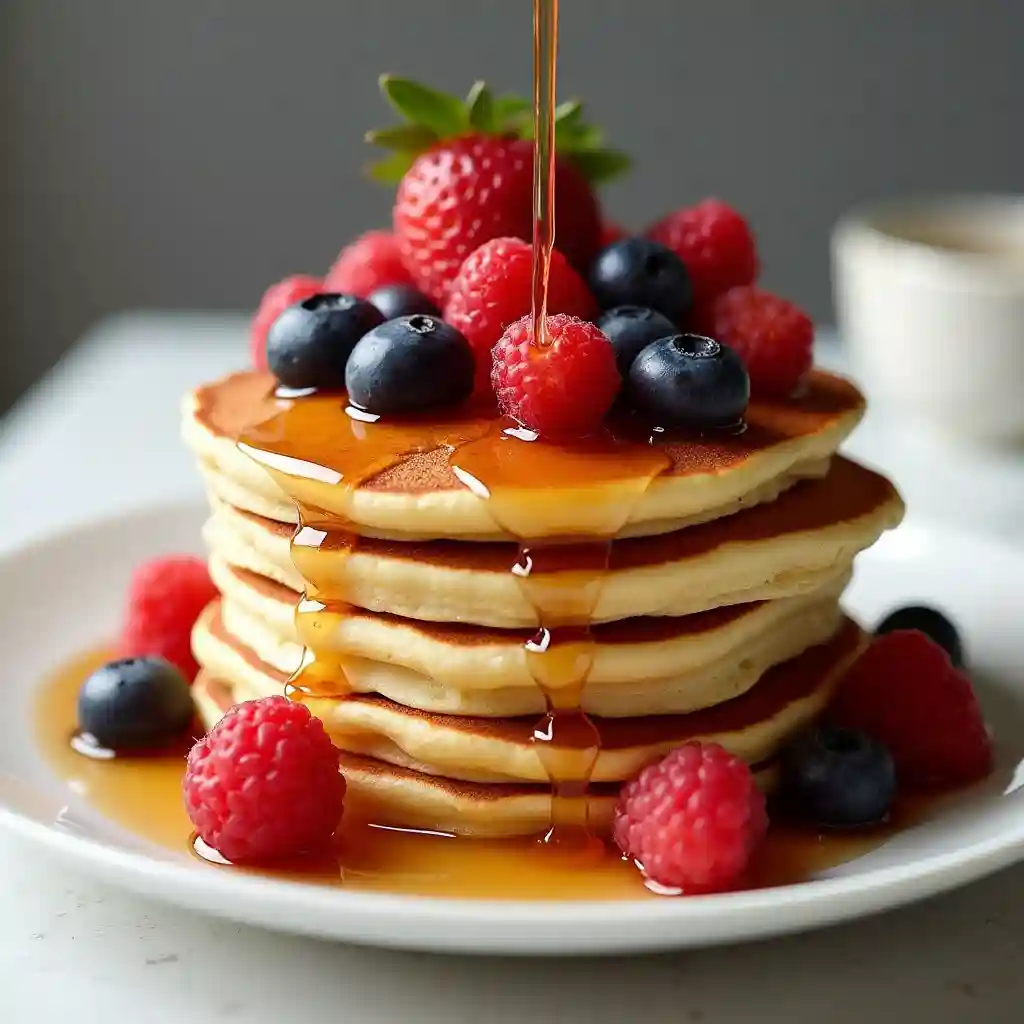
64	594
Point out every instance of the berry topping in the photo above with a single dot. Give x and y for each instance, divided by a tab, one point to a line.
689	381
932	623
165	597
631	329
905	692
372	261
409	365
562	389
838	777
494	288
135	704
714	242
611	232
395	300
310	342
693	820
264	782
276	299
465	175
773	337
639	272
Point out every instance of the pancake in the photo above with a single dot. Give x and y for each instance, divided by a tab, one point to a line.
793	546
466	479
478	749
231	645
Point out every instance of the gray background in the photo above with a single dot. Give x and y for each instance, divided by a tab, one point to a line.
186	153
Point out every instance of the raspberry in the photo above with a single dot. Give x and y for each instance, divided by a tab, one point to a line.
774	338
611	232
714	242
165	597
905	693
562	389
276	299
494	287
370	262
264	782
692	820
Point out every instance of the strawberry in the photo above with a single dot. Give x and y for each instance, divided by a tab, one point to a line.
465	175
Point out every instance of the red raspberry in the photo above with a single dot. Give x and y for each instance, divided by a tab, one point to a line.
774	338
905	693
611	232
562	389
714	242
692	820
370	262
276	299
494	287
264	782
165	597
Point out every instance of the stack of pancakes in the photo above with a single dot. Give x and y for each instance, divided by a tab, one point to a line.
713	608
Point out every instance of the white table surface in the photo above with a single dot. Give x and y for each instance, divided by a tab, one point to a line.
101	434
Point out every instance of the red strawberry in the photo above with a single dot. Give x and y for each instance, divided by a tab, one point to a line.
466	174
494	287
276	299
372	261
611	232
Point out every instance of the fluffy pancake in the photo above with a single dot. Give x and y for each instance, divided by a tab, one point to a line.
794	545
233	645
430	480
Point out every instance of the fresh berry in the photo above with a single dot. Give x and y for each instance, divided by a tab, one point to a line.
631	329
838	777
494	288
264	782
465	175
276	299
135	704
690	382
372	261
905	692
310	342
561	389
639	272
611	232
714	242
773	337
693	820
409	365
395	300
932	623
165	597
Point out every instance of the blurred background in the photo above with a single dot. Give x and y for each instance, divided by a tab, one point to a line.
186	154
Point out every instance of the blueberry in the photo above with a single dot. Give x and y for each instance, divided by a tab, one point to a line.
689	381
838	777
396	300
135	703
631	329
932	623
639	272
410	364
309	344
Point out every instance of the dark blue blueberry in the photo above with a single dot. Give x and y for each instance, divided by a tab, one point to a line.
631	329
838	777
395	300
639	272
932	623
689	381
309	344
409	365
135	704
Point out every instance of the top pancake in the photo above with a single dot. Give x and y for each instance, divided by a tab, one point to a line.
466	477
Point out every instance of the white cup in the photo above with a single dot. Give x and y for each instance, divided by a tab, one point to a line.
930	303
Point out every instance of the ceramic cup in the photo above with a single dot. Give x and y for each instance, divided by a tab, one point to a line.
930	304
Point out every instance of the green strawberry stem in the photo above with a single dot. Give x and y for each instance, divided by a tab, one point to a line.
430	116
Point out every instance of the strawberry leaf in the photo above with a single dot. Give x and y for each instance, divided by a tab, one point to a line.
409	138
480	104
568	113
600	165
511	111
439	111
391	169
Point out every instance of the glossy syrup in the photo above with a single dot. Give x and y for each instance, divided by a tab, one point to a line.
143	795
